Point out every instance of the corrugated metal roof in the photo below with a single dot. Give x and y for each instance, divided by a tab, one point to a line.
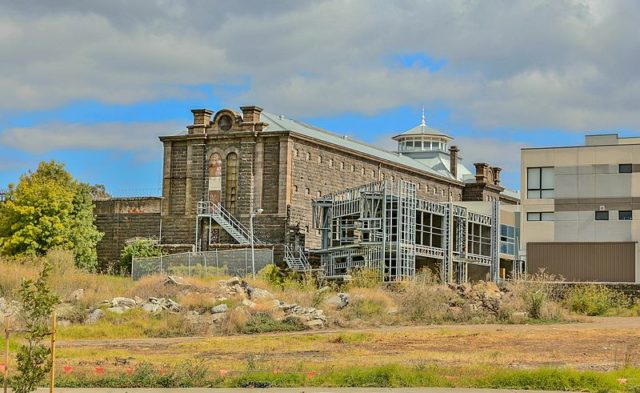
281	123
422	129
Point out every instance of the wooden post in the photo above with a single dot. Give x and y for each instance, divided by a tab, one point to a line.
53	352
6	355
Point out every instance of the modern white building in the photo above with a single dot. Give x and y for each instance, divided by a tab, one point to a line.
581	209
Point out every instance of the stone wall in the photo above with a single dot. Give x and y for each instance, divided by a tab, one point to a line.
121	219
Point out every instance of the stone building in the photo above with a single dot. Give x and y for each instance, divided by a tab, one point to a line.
256	161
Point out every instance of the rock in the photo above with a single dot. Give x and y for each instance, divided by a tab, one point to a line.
338	301
220	308
174	280
94	316
117	309
259	293
233	281
248	303
138	299
152	307
75	296
219	317
123	302
314	324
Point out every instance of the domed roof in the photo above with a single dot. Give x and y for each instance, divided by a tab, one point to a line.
422	129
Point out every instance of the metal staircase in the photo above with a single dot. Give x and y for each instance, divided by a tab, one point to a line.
227	222
296	260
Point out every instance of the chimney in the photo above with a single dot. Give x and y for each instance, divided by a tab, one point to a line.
496	175
201	120
250	114
201	117
482	172
453	161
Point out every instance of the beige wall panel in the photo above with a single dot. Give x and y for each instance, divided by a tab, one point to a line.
587	261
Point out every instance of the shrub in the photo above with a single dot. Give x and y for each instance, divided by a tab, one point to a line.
364	277
369	304
423	302
593	299
139	248
536	290
272	275
263	322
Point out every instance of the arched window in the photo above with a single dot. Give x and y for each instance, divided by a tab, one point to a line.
231	185
215	177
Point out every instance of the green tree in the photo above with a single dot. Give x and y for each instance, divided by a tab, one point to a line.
33	358
139	248
49	209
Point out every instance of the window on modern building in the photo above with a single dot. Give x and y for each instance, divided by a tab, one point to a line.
540	216
231	184
602	215
540	183
507	239
625	215
625	168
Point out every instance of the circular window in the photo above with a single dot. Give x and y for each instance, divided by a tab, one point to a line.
224	122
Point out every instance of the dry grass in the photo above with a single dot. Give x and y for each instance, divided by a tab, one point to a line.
592	346
65	278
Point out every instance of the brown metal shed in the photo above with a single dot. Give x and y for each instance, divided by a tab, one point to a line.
584	261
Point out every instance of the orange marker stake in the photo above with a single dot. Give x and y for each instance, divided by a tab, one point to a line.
223	373
311	374
67	369
100	370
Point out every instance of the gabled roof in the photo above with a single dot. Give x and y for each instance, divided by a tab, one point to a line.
281	123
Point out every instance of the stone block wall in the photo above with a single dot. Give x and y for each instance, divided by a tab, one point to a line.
121	219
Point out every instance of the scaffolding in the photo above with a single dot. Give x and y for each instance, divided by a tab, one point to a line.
385	227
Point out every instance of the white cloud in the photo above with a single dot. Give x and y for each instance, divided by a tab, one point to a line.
526	64
138	137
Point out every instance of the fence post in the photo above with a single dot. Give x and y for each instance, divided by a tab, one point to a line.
189	264
217	264
204	255
160	263
246	261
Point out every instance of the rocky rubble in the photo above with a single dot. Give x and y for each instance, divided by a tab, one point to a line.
249	300
481	296
152	305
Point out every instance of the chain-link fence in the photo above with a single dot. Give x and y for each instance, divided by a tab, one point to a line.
206	263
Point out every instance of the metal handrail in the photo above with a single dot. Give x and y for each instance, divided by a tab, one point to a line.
214	208
290	255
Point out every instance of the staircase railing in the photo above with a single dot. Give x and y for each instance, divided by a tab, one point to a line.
296	259
216	210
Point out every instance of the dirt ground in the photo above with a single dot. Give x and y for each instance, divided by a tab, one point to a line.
595	343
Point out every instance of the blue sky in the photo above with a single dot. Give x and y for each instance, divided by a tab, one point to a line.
93	84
